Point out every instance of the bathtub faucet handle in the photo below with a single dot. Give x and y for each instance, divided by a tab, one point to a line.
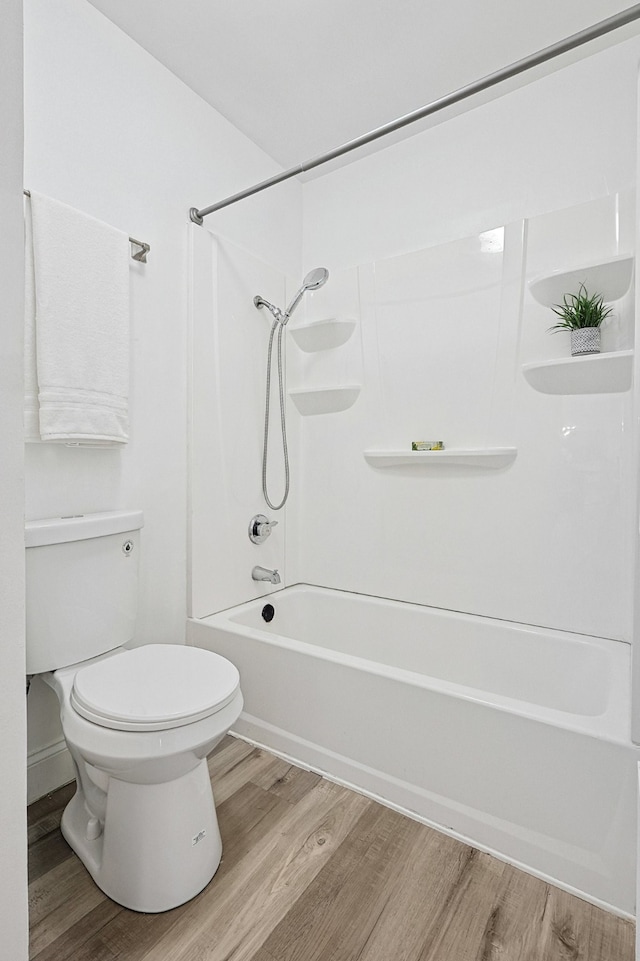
266	527
259	528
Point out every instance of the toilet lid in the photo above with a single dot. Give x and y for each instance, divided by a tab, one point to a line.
155	687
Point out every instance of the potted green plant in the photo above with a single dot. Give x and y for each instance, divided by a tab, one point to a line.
582	314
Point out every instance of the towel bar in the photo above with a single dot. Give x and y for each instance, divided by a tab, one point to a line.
139	255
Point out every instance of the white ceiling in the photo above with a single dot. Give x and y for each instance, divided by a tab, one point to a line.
299	77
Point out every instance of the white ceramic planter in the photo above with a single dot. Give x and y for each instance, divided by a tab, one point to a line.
585	340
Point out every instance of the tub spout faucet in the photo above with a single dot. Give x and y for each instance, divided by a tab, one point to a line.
263	574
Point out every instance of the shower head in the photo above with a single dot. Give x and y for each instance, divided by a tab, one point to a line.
314	279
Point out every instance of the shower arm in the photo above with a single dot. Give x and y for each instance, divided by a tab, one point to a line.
279	316
572	42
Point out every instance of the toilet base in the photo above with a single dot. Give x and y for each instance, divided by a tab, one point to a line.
159	845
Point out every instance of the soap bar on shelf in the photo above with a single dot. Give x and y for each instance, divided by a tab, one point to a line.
427	445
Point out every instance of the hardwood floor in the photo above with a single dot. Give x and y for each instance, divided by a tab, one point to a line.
314	872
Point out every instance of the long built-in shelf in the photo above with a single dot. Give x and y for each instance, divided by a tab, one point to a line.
324	400
487	457
322	334
611	278
607	373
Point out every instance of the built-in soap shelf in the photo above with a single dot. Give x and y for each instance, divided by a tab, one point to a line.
611	278
322	334
607	373
325	400
486	457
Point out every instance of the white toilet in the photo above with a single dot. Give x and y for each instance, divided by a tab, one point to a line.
138	723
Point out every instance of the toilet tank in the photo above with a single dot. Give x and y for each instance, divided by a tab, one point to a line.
81	586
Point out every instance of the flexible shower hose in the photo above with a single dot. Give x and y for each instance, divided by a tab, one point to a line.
283	421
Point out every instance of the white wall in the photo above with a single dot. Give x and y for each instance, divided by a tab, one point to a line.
111	132
515	157
441	361
13	829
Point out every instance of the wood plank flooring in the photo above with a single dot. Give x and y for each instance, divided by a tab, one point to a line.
314	872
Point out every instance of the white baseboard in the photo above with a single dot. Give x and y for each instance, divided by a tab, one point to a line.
47	770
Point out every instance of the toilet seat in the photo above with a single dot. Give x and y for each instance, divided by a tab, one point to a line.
155	687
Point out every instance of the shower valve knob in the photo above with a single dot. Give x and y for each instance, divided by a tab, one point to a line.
259	528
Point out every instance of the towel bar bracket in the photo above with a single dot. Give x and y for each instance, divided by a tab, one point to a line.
141	254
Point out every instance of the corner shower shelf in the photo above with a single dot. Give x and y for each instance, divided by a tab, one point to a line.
608	373
324	400
487	457
611	278
322	334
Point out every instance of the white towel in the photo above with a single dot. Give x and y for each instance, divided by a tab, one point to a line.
76	327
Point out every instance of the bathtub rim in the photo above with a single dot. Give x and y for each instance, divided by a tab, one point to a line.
613	725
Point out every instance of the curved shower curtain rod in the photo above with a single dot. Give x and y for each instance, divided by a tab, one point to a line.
506	73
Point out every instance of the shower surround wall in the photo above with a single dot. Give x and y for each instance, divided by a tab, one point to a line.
547	540
431	244
543	539
230	338
113	133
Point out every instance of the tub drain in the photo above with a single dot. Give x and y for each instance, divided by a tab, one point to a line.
268	612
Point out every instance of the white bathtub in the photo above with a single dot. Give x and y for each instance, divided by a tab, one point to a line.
511	737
